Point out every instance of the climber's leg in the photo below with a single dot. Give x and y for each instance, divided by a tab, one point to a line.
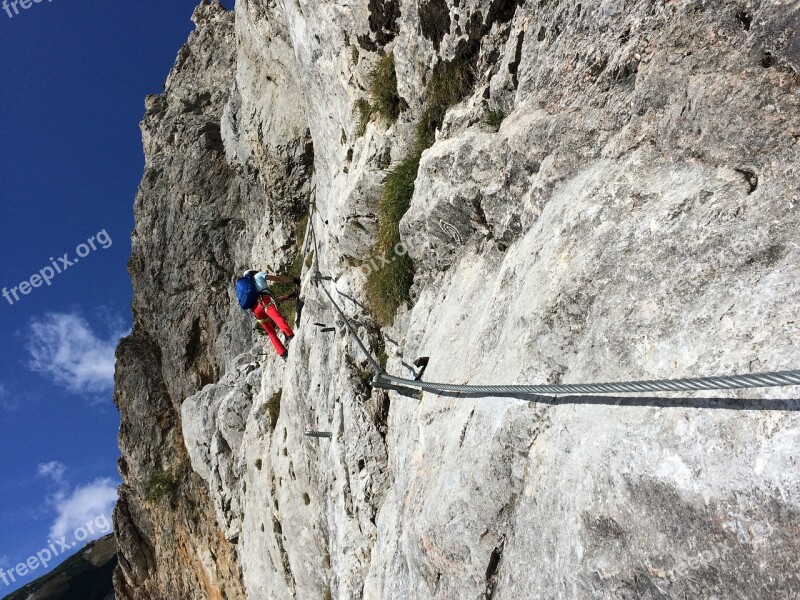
269	327
276	316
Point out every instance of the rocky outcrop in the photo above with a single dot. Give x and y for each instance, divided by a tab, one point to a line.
199	220
633	216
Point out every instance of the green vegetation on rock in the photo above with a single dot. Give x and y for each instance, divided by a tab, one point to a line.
389	281
494	118
161	484
384	98
383	89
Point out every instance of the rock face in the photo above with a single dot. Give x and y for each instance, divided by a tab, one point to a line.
199	219
634	216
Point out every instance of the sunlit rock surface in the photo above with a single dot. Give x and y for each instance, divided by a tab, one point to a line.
635	216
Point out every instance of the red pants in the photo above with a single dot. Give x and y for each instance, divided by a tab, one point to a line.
267	314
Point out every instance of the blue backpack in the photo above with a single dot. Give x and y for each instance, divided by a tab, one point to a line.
247	291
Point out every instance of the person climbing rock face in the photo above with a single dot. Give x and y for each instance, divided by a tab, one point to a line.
253	293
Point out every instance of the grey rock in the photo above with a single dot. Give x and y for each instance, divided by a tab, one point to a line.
634	217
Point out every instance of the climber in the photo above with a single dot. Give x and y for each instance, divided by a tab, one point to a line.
253	293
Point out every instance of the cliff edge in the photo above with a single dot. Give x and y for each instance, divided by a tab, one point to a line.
518	192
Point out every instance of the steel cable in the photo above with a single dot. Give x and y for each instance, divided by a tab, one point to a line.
722	382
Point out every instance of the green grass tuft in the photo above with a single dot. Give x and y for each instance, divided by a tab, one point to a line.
383	97
383	89
389	286
450	82
161	484
494	118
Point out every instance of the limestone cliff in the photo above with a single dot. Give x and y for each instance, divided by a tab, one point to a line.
612	192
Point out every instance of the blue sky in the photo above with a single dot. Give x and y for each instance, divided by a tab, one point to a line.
74	77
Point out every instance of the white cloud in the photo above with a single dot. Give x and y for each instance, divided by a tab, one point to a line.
53	470
64	347
87	504
6	402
